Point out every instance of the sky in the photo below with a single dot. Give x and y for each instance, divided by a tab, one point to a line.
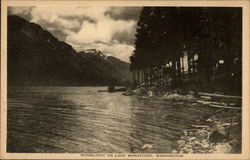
109	29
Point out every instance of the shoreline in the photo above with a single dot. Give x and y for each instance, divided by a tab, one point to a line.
219	133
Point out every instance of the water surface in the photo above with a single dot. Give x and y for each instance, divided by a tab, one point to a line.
83	120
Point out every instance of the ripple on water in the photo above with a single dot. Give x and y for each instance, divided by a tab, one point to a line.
83	120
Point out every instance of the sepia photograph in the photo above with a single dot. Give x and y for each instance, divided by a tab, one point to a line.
124	80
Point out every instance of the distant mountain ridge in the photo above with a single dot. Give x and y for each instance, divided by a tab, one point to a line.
37	58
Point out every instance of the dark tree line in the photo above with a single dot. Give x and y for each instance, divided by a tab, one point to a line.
180	42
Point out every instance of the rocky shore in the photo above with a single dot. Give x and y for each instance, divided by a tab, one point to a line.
218	133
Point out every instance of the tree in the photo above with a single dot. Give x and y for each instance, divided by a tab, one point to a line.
164	34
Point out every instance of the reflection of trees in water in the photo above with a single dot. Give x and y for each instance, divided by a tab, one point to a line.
149	121
159	123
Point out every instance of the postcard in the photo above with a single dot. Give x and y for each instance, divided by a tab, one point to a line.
125	79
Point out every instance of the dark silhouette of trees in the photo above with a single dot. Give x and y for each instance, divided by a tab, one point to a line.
179	41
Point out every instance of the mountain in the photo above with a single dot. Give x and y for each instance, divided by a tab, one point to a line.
36	58
121	67
115	66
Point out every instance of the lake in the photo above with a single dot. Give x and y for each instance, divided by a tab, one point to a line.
83	120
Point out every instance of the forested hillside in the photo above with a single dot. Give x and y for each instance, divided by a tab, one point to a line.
200	44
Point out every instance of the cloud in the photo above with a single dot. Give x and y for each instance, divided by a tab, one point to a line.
52	17
21	11
69	12
57	22
126	36
110	29
121	51
59	33
125	13
106	30
112	37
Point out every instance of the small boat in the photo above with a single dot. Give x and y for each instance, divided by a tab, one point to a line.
127	93
120	89
102	90
111	89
